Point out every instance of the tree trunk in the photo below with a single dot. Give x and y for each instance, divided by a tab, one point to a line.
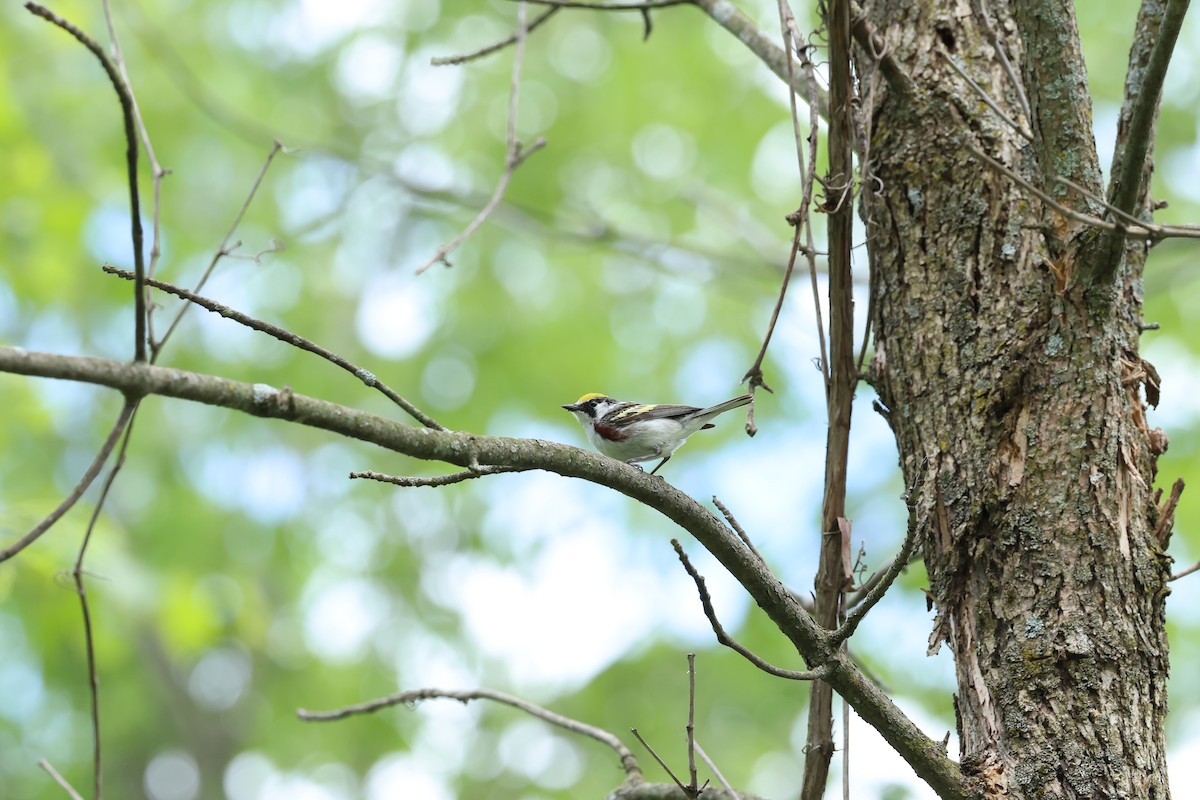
1011	378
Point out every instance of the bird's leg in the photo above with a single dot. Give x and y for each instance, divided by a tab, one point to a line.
656	469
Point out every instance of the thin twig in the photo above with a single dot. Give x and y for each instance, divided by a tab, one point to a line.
131	151
628	760
223	249
638	6
515	155
89	640
737	528
691	723
832	579
82	486
876	592
800	219
985	20
1100	201
805	215
983	95
434	480
287	337
755	375
1066	211
713	768
857	597
873	596
727	640
157	170
1183	573
845	750
1142	230
661	763
59	779
495	47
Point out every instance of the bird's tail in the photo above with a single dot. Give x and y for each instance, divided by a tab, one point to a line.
721	408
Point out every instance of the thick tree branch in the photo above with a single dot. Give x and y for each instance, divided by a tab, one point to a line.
927	758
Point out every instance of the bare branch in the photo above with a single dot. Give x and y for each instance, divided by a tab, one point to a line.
927	758
287	337
661	763
1143	230
131	151
729	17
1183	573
691	723
82	486
1100	201
628	761
737	527
433	480
713	768
78	574
59	779
515	155
727	640
875	594
984	17
157	169
983	95
1143	87
494	47
832	576
223	250
642	5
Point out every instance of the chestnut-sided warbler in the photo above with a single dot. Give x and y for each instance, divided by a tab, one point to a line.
633	432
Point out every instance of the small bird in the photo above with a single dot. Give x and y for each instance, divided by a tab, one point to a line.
633	432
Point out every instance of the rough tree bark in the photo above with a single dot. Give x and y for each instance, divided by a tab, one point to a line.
1007	361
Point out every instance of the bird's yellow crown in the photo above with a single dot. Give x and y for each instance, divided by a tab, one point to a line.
589	396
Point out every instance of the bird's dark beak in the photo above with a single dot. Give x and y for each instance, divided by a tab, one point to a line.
571	407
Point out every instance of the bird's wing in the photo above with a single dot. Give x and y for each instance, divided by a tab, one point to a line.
640	412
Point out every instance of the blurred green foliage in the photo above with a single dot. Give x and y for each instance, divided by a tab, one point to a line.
237	574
